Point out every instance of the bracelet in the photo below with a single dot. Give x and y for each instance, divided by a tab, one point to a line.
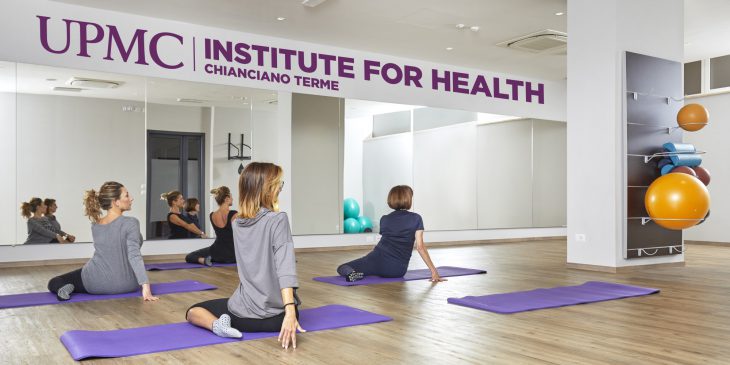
294	304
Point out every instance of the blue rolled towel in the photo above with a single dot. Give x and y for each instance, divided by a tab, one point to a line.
679	147
663	162
667	168
689	160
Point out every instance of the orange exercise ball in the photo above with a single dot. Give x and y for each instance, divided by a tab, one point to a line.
677	201
692	117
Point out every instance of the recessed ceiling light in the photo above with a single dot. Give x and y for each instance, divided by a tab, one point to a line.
460	26
280	18
559	13
474	28
449	48
51	80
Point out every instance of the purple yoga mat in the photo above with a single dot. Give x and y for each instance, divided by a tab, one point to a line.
180	265
176	336
589	292
45	298
444	271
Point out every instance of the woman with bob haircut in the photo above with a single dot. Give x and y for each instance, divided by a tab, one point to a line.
265	299
391	255
116	266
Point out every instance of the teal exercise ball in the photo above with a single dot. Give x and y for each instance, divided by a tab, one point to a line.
352	225
351	208
366	225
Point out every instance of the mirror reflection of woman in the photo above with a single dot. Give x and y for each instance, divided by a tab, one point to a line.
222	249
191	214
116	266
265	300
179	228
40	229
51	208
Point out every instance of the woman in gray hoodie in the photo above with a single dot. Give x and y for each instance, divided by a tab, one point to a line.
265	300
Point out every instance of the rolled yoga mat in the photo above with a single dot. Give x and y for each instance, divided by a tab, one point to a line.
444	271
45	298
180	265
176	336
589	292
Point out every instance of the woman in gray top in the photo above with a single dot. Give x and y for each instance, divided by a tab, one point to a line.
51	208
40	229
265	300
117	265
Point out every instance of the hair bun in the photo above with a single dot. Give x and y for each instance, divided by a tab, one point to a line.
163	196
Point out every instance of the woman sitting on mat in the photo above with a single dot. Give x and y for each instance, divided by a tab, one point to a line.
222	249
116	266
265	300
391	255
190	214
40	229
179	228
51	208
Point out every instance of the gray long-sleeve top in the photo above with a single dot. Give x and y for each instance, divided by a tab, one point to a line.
40	230
266	264
117	265
56	226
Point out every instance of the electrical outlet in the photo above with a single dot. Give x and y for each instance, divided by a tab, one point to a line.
580	237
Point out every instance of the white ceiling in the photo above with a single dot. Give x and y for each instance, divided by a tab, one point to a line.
421	29
417	29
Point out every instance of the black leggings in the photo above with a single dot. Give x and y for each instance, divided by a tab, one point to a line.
192	258
374	264
219	307
73	277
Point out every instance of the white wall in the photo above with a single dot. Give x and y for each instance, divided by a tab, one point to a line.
713	139
356	131
67	145
225	172
599	34
8	185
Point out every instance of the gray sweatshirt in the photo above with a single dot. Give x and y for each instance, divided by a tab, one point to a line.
40	230
266	264
117	265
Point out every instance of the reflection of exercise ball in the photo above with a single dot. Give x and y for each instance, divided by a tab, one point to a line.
684	170
351	208
702	174
366	225
352	225
677	196
692	117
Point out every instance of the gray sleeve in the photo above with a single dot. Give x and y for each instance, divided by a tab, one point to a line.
39	228
134	242
283	246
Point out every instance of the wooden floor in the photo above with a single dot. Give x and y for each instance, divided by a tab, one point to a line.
687	323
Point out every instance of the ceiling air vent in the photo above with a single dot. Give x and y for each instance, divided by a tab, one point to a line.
190	100
67	89
545	41
93	83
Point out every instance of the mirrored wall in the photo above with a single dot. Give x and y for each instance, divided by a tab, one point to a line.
68	131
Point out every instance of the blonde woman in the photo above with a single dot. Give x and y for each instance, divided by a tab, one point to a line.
116	266
179	228
222	250
265	300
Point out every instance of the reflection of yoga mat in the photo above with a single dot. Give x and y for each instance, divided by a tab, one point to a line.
44	298
176	336
444	271
180	265
589	292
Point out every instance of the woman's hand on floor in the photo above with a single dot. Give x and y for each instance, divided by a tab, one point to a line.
147	293
435	278
289	327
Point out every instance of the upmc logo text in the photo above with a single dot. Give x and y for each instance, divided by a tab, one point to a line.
95	40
